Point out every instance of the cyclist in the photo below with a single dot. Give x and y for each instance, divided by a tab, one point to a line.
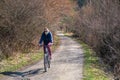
46	40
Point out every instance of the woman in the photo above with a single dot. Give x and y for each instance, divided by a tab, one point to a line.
46	40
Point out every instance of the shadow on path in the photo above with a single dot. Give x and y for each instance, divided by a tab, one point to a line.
23	74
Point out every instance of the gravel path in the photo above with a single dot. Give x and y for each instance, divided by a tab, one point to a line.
67	64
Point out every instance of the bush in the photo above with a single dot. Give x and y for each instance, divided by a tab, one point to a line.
20	23
98	25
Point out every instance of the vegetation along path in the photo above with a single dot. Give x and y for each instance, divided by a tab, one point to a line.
67	64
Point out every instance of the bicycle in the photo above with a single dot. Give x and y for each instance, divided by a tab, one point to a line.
46	59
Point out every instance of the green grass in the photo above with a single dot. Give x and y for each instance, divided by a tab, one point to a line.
18	61
92	69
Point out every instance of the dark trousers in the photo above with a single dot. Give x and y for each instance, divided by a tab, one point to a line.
49	49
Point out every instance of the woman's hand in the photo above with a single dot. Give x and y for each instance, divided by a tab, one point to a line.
50	44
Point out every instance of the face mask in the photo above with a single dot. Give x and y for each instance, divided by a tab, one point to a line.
46	33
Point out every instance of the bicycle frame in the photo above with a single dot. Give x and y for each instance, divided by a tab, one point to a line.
46	59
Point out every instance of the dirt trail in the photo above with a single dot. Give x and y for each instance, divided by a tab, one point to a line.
67	64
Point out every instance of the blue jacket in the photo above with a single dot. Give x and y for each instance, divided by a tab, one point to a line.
46	38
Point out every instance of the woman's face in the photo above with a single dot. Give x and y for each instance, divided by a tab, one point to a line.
46	32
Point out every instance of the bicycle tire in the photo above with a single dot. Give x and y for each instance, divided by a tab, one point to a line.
49	61
45	62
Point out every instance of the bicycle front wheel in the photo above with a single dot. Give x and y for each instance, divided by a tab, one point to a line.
45	62
49	61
